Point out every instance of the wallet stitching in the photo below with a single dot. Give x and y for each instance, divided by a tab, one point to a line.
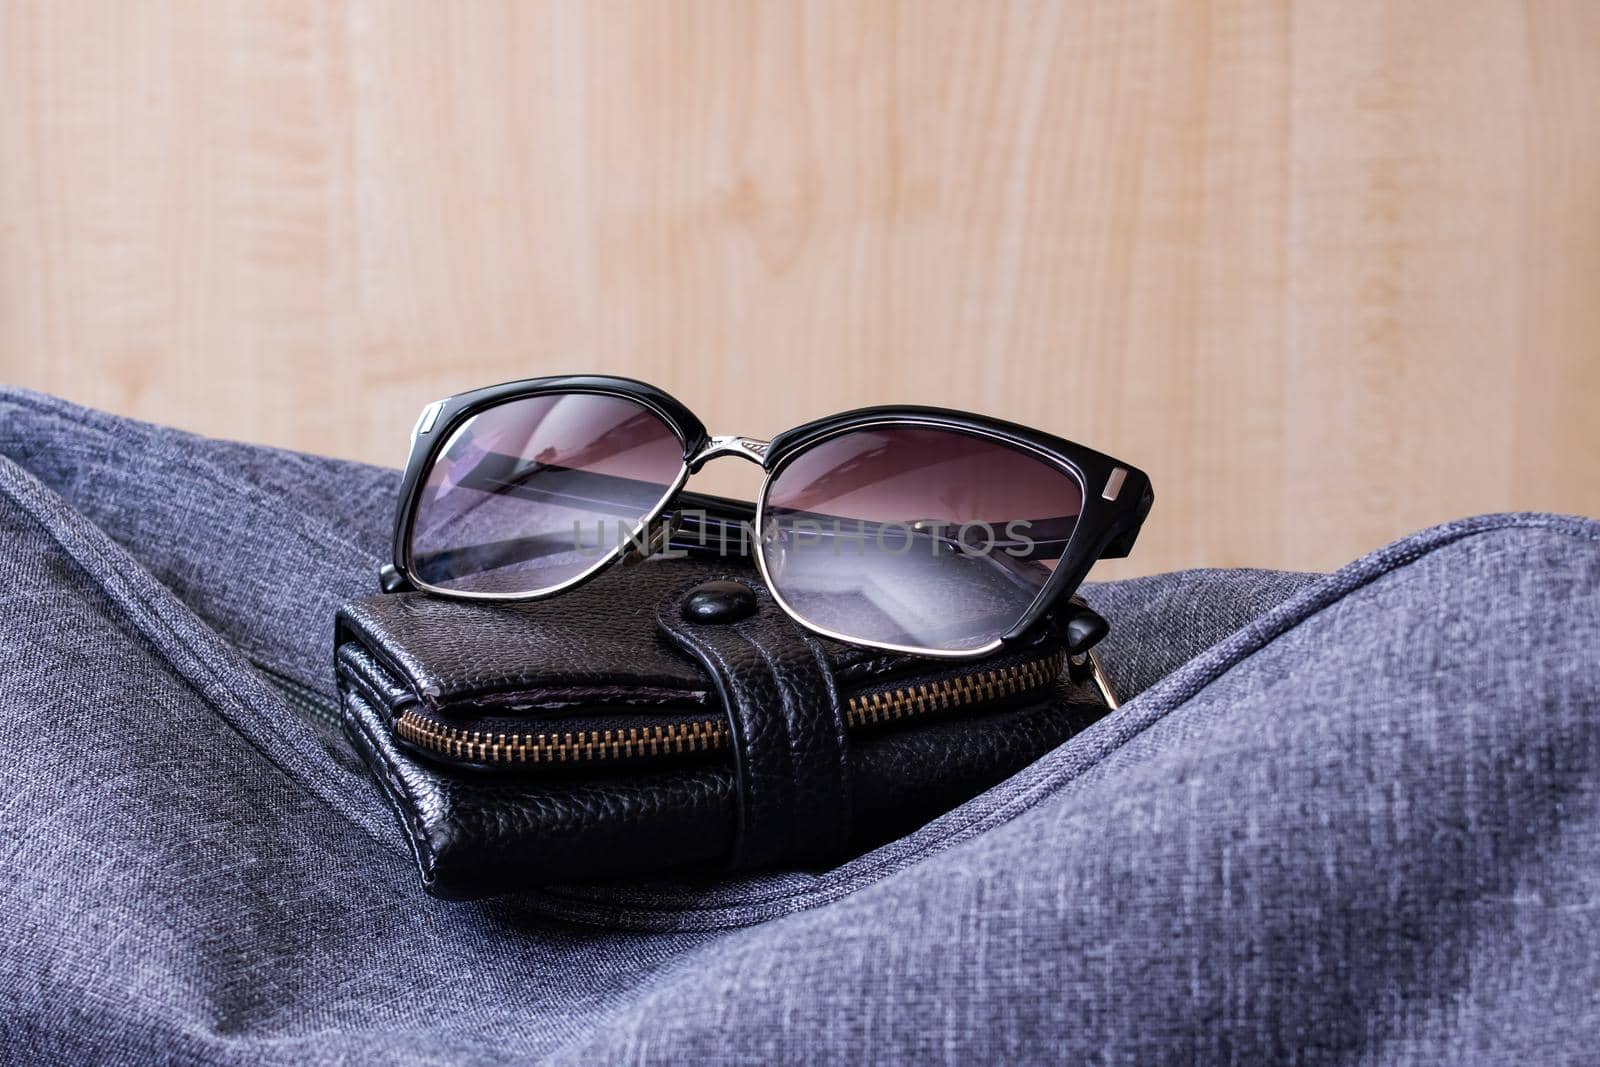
377	637
394	785
839	829
791	762
787	695
746	784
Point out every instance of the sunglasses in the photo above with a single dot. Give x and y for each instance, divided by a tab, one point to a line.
910	529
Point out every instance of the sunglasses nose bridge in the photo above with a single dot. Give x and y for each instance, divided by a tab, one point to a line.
726	445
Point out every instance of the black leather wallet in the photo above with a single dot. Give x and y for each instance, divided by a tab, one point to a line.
667	717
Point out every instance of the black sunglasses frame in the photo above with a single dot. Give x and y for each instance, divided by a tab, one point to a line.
1116	495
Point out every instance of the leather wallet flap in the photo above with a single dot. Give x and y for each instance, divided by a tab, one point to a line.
594	645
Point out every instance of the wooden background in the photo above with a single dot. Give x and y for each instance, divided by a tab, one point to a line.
1330	271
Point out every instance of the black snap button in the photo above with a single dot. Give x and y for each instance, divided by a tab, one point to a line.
719	602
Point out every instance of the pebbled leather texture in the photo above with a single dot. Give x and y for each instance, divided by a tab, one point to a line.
596	643
476	835
797	789
791	745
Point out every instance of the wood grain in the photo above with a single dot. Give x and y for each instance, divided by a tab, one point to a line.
1329	271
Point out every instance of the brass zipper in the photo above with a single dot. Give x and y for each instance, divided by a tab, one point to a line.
481	746
713	735
867	709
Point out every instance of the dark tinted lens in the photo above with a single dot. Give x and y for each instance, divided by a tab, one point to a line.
533	493
923	538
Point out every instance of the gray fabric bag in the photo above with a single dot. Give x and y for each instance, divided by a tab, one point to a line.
1351	818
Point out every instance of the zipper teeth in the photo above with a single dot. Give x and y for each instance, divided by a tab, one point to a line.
869	708
705	735
712	735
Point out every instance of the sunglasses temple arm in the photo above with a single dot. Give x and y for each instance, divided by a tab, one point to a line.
1096	675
